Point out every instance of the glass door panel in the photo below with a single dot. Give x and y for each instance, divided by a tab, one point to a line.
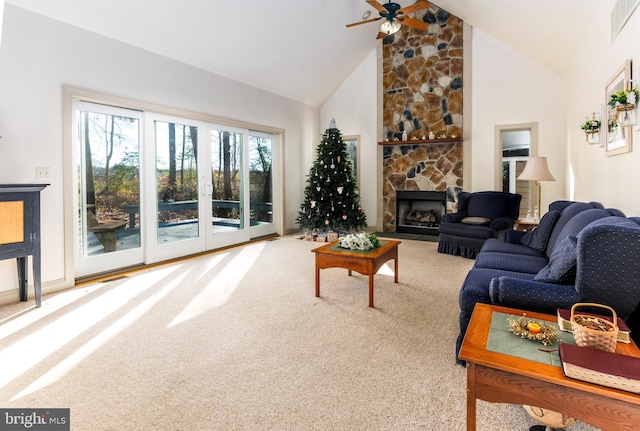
175	208
261	184
229	220
107	159
226	178
176	182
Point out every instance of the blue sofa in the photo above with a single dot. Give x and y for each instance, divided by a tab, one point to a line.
580	252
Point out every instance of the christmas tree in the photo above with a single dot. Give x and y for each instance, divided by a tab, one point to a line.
331	197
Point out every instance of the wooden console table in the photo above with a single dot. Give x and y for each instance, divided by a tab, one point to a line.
502	378
20	232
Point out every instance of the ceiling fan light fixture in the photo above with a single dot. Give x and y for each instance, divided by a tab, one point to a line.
390	27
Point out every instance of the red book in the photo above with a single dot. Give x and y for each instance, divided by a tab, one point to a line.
564	322
600	367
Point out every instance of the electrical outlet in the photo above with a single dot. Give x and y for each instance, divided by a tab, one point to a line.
43	173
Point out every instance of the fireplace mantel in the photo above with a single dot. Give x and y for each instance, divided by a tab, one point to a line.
423	141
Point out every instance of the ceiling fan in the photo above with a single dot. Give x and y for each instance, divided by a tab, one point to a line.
395	16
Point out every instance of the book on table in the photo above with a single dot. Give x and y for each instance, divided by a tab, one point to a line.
602	368
564	322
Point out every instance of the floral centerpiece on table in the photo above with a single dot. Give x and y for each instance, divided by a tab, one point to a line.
624	99
359	241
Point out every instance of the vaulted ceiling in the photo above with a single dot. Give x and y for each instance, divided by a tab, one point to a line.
300	48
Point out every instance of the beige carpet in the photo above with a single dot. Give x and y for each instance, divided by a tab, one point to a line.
236	340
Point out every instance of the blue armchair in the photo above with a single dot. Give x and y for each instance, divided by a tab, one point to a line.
480	216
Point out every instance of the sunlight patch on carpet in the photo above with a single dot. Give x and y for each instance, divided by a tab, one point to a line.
385	270
13	324
219	289
29	351
62	368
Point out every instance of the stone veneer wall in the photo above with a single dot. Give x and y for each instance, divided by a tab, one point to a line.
422	85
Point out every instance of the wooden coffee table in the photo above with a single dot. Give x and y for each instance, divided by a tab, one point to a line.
366	262
501	378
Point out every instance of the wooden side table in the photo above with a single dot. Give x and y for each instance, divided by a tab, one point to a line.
502	378
526	225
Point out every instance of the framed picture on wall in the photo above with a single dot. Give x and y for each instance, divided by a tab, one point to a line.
618	138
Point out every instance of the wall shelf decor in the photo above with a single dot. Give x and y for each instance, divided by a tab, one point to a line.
591	128
619	137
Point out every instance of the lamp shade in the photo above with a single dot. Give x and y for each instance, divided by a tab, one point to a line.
536	169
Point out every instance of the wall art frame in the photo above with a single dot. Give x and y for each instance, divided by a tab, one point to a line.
618	139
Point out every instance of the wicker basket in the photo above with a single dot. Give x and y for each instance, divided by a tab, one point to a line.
596	339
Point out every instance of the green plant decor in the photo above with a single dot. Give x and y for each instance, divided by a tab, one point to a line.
624	97
591	125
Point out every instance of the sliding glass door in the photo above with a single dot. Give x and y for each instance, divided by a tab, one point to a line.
193	186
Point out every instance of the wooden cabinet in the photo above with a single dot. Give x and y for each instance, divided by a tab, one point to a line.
20	232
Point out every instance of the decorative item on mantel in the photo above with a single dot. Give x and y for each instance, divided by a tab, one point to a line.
624	101
591	129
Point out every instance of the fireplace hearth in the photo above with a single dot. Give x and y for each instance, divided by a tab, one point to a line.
420	212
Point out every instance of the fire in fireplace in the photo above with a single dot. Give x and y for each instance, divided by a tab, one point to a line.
420	212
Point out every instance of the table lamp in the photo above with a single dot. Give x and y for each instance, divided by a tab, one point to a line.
536	170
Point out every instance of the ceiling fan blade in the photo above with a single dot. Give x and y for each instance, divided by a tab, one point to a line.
377	5
353	24
419	5
381	35
410	22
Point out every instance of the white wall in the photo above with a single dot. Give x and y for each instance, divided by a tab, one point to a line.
354	107
40	55
508	88
612	180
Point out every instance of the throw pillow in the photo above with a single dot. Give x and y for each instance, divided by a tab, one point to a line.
476	220
561	268
539	237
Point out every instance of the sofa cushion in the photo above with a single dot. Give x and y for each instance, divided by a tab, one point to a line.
476	286
578	222
511	262
566	216
539	237
476	220
561	268
496	245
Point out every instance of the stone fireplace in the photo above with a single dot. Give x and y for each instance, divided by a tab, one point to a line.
420	212
422	114
419	168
